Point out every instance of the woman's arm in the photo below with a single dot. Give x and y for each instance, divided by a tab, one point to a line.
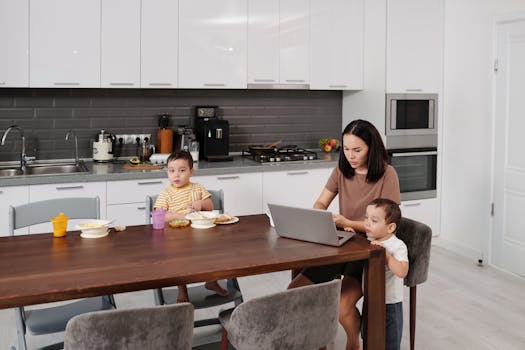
325	198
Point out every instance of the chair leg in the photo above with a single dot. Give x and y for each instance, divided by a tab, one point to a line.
20	328
224	340
412	316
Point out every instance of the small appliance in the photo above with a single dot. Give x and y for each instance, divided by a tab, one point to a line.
411	120
103	146
183	137
214	138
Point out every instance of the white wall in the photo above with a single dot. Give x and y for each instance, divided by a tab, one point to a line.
369	103
467	119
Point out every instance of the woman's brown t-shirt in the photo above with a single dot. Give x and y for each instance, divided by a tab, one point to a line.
356	193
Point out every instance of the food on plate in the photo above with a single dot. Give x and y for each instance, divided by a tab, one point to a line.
119	228
135	160
90	225
179	223
224	218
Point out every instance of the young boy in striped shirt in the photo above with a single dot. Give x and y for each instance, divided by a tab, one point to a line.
181	197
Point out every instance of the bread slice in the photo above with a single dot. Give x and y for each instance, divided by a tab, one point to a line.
224	218
179	223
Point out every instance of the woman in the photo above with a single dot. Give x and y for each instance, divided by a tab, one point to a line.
363	174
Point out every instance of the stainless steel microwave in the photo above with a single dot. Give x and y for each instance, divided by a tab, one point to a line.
411	120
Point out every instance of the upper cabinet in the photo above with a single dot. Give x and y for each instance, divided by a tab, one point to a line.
120	43
14	43
278	42
212	44
65	43
294	36
336	46
414	45
159	43
263	41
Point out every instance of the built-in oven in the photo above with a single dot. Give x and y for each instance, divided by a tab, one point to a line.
417	171
411	120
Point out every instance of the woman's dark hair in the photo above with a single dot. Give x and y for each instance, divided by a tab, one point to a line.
377	156
181	155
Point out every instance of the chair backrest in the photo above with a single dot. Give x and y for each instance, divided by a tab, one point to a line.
217	198
42	211
417	237
159	327
300	318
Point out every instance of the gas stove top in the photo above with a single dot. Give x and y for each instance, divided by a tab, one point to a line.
288	153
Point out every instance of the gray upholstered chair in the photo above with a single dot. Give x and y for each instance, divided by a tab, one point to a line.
417	237
301	318
200	297
160	327
54	319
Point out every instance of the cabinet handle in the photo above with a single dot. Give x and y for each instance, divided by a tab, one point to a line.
337	86
211	84
414	90
295	80
2	82
70	188
149	183
298	173
412	204
66	84
264	80
411	154
141	208
228	177
160	84
121	84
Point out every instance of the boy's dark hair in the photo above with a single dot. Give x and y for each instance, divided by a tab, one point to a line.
181	155
392	211
377	156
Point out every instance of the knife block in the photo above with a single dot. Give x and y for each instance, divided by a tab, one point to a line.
164	140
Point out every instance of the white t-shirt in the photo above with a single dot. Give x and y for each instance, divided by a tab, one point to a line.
394	284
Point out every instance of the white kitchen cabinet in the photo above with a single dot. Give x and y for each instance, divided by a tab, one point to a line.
336	44
159	43
212	46
242	192
299	188
65	43
126	199
414	45
14	43
67	190
263	41
120	44
423	210
294	36
12	196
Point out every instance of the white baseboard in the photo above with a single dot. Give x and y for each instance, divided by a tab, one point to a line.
458	248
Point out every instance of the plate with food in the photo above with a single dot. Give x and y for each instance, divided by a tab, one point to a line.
202	219
179	223
226	219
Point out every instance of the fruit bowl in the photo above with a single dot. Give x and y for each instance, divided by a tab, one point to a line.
329	145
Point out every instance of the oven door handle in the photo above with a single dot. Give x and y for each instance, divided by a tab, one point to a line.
411	154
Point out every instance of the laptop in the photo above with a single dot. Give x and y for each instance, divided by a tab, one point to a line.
311	225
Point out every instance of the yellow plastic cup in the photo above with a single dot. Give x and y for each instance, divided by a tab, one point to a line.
59	225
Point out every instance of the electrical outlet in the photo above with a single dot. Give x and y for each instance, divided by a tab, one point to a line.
130	139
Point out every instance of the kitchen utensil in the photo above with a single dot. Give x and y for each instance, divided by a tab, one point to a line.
103	146
164	135
273	144
183	136
146	149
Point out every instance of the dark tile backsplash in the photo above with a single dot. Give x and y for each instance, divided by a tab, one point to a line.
297	117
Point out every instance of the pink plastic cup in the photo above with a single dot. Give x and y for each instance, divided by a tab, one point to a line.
157	218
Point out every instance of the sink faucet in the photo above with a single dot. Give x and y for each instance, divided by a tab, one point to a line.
23	157
70	134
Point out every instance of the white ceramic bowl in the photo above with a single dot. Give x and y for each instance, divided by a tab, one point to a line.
94	227
202	218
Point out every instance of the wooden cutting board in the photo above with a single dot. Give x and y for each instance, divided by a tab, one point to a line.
142	166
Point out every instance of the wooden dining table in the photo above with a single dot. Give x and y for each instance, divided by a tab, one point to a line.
40	268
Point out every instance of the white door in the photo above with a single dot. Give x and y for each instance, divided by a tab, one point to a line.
508	232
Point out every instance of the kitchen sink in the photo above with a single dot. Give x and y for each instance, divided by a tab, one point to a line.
45	169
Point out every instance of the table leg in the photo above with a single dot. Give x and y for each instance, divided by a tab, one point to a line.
374	307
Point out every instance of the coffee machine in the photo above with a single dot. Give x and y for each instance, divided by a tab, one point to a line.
213	135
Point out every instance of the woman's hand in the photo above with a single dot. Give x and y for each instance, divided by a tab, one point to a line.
341	221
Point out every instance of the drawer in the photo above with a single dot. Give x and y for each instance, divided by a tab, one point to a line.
134	191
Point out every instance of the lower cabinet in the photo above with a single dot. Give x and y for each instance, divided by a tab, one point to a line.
126	200
11	196
422	210
242	192
68	190
296	188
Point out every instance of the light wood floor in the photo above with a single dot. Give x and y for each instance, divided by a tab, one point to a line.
461	306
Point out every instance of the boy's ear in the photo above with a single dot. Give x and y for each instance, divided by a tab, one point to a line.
192	171
392	227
